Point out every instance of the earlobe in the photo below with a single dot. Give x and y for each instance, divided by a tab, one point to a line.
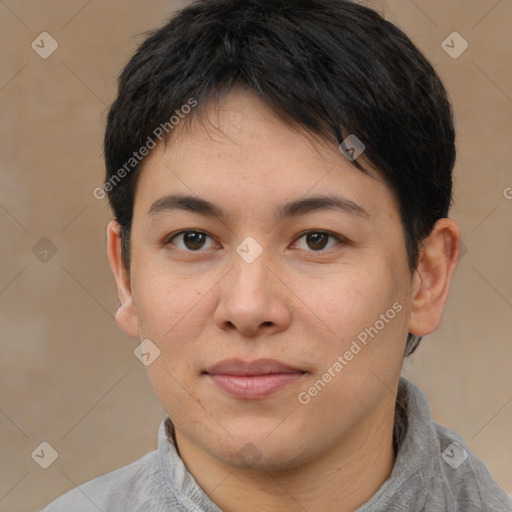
432	277
126	314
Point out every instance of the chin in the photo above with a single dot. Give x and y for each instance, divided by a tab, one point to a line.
255	450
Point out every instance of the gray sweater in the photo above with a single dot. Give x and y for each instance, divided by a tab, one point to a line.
434	472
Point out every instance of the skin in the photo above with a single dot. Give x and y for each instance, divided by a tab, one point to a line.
300	303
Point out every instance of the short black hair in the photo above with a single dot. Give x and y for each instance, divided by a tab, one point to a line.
330	67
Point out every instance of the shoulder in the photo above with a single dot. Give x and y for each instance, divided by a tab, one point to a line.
465	478
448	475
137	486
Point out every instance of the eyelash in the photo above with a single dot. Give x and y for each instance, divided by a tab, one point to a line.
338	238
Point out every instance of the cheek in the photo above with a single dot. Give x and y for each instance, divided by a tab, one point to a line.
172	313
163	300
362	315
359	359
344	302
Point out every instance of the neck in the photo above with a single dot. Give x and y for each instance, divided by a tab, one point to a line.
341	480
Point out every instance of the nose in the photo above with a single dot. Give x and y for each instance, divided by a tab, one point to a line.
253	298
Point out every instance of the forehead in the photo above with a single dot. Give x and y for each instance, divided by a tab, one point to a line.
240	151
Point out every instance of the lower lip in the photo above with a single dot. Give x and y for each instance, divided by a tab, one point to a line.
254	386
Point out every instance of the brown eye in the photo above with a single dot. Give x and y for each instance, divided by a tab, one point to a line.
192	241
318	240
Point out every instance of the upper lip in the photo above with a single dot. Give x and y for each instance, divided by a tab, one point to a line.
257	367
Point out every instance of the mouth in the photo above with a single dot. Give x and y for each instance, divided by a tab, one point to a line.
252	380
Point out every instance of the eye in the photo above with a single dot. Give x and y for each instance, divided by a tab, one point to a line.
318	240
192	241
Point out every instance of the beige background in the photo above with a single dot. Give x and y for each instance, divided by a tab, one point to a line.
69	376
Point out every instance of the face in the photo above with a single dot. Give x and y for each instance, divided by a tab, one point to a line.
323	290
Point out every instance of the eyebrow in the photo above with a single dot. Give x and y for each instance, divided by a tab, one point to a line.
295	208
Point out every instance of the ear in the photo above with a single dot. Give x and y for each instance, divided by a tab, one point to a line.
126	315
432	278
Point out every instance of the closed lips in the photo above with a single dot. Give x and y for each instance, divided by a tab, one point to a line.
251	368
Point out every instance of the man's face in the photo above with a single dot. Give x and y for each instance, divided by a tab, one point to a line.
209	295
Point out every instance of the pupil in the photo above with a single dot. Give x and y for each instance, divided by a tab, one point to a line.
194	240
315	239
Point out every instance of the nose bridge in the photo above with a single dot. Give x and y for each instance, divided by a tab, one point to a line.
250	274
250	296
